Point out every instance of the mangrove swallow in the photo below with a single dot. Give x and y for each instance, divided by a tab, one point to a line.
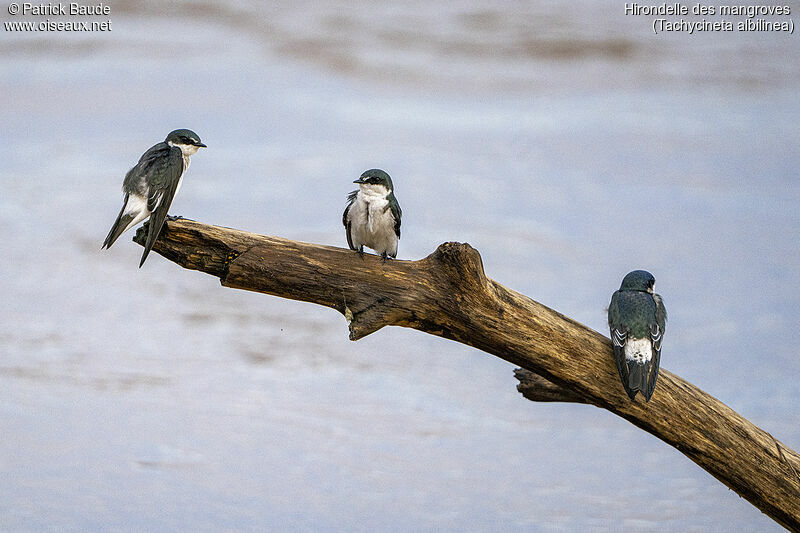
150	186
372	216
637	319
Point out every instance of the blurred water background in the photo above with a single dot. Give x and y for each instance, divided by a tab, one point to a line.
565	141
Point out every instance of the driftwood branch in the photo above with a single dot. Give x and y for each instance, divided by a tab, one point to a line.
537	389
448	294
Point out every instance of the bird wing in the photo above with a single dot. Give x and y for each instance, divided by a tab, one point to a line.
619	336
397	213
162	174
350	199
657	327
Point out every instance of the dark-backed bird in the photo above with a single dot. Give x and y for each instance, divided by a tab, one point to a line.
372	216
152	184
637	318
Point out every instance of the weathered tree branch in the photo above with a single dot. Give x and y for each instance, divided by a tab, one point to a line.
537	389
447	294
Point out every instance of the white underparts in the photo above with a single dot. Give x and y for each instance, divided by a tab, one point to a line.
373	192
136	206
371	220
638	350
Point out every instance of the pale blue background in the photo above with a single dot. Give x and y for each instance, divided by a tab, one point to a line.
564	141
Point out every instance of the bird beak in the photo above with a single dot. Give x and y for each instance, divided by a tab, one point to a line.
200	145
359	180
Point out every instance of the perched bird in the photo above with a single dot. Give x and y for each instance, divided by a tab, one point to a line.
637	319
151	185
372	216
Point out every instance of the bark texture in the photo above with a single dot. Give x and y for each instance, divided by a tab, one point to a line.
448	294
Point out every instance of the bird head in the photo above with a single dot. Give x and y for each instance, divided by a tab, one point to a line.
638	280
187	140
375	179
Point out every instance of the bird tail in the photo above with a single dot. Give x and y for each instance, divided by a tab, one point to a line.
146	252
640	379
120	225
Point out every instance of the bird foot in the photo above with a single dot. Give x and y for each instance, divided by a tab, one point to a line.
173	218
